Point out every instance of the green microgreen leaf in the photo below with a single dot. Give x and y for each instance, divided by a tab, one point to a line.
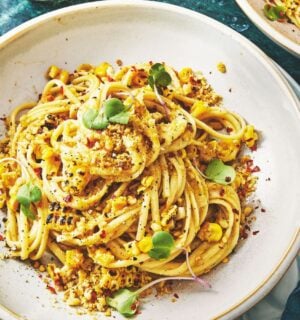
88	117
122	118
113	107
158	76
35	194
113	111
23	195
163	243
27	212
27	194
274	13
92	119
124	301
219	172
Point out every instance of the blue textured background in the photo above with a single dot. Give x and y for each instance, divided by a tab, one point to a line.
14	12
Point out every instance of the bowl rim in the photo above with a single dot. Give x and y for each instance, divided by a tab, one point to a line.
292	249
263	25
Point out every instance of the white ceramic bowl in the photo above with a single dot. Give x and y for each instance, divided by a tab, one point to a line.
286	35
138	31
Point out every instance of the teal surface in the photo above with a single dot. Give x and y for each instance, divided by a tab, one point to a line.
14	12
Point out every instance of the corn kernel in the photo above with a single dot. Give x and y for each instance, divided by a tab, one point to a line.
198	108
53	72
101	70
64	76
103	257
47	153
247	211
85	67
42	268
145	245
250	136
147	181
221	67
185	74
211	232
74	258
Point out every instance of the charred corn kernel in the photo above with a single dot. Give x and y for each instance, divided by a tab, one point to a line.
118	203
198	108
84	67
53	72
103	257
247	211
145	245
185	74
211	232
147	181
64	76
47	153
221	67
250	136
74	258
101	70
132	248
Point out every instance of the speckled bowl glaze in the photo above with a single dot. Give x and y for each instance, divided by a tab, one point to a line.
137	31
286	35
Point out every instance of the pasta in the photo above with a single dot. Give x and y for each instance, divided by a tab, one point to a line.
96	198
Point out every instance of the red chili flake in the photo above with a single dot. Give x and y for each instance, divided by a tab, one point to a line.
93	296
254	148
58	282
281	20
1	237
176	295
229	129
247	227
255	232
256	169
249	162
103	234
110	79
263	210
222	192
50	97
234	210
38	171
61	90
134	306
40	276
51	289
107	292
68	198
90	143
